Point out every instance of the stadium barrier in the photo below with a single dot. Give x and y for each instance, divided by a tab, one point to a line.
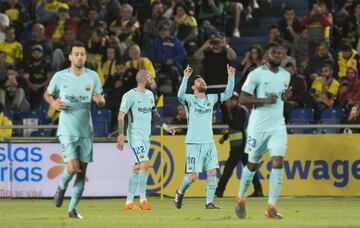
315	165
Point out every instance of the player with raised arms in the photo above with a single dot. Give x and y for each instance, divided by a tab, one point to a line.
201	154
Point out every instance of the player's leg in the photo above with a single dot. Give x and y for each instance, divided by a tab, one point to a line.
71	169
255	181
141	150
143	177
277	147
185	184
133	184
77	191
193	166
211	163
255	148
68	147
230	164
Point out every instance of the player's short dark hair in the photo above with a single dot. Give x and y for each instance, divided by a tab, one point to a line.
271	45
193	79
77	44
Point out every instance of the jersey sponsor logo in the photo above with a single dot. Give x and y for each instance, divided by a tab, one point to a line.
203	111
73	98
268	94
144	110
154	180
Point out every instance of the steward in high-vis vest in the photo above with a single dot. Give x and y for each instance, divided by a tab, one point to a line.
237	117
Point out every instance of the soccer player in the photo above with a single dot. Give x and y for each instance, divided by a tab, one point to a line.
267	88
139	104
75	88
201	152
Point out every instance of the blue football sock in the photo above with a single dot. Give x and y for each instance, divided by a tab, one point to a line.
246	179
210	188
184	185
133	183
142	184
65	179
76	193
275	185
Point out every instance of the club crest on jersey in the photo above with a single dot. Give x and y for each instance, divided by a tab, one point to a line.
286	84
208	103
87	87
151	100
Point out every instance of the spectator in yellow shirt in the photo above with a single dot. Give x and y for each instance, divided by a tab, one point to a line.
138	62
324	90
11	47
4	120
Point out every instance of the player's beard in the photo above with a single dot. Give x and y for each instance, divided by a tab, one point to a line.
273	63
79	65
201	89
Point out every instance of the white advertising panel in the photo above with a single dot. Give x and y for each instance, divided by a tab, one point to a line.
35	169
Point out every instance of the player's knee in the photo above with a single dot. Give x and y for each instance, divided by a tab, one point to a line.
193	177
277	162
72	167
211	172
251	166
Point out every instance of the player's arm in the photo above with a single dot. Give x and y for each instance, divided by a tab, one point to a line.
246	98
97	97
230	84
120	139
248	89
182	90
159	121
52	88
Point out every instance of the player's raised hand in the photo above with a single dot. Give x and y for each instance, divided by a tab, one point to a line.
230	70
271	99
171	130
58	104
287	94
188	71
120	142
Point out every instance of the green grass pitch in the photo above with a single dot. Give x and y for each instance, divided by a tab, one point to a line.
297	212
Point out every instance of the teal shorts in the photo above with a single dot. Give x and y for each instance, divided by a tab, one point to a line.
74	147
274	141
200	157
141	150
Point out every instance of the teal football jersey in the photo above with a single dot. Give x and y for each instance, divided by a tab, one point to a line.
138	107
262	82
76	92
199	112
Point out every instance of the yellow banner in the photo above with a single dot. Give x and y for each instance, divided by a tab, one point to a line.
314	165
